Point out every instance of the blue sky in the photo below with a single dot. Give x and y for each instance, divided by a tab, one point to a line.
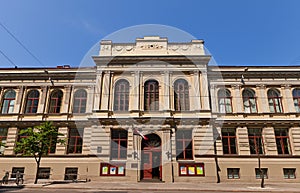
254	32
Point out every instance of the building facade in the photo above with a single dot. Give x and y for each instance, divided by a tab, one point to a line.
155	110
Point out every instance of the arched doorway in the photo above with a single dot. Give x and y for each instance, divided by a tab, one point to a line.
151	158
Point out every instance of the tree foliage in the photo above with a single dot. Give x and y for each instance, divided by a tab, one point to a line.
38	141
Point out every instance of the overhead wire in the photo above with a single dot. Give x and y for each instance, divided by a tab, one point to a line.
27	50
8	59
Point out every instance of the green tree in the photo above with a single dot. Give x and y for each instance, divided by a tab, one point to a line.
38	142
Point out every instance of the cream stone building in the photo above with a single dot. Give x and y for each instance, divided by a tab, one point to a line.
155	110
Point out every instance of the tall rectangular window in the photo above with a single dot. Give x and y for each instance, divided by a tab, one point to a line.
224	100
53	142
229	141
282	141
3	137
184	144
151	95
75	140
255	141
118	144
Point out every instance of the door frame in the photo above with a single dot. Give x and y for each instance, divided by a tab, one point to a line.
151	150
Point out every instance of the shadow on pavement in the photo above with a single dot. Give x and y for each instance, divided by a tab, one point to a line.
10	188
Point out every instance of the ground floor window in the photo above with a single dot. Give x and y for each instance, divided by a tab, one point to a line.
191	169
15	170
264	171
233	173
289	173
107	169
44	173
71	174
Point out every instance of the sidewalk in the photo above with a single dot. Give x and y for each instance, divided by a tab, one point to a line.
224	187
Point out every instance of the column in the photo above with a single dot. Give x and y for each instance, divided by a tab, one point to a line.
262	99
287	99
67	103
89	103
204	91
105	91
167	157
19	95
43	99
23	100
97	96
237	99
166	91
134	91
11	141
214	99
242	141
61	149
196	92
141	87
268	135
111	87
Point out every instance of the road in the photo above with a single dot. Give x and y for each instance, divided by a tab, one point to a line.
50	190
45	190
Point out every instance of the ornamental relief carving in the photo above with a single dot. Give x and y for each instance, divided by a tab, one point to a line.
151	47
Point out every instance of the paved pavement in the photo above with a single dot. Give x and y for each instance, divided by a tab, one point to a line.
169	187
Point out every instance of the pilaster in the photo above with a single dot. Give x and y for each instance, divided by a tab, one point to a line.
204	91
268	135
90	97
61	149
66	103
262	99
294	135
42	99
195	94
19	97
11	140
237	99
105	91
242	141
134	91
287	99
97	94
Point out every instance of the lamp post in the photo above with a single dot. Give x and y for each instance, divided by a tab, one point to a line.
262	175
216	137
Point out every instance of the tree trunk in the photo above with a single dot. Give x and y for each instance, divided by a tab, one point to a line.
37	171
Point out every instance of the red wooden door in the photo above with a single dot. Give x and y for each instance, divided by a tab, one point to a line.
147	164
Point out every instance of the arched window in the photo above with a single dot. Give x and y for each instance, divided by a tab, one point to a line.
121	96
224	99
296	97
249	101
32	101
8	102
80	97
151	96
55	101
274	100
181	95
